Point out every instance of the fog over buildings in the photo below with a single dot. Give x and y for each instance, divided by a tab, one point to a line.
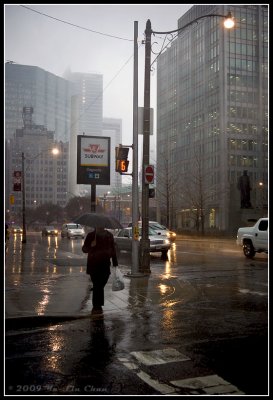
98	38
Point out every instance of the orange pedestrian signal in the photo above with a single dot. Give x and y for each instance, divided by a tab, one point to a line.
122	165
121	159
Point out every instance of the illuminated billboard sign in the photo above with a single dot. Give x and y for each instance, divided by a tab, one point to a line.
93	160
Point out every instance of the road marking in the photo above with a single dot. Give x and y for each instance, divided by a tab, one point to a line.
247	291
210	384
156	357
160	387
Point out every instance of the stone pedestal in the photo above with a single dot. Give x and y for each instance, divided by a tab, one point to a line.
240	217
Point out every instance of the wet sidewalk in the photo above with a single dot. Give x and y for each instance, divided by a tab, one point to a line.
43	283
156	336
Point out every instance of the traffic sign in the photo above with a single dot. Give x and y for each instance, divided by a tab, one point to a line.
149	174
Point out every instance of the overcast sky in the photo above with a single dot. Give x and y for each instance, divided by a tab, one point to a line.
35	39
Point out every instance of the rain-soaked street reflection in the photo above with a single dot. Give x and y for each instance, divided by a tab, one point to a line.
205	294
39	272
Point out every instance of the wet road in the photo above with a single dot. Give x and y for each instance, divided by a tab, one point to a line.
197	325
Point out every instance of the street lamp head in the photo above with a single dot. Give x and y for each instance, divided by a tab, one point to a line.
229	21
55	151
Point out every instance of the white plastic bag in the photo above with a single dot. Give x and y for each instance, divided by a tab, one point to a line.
118	281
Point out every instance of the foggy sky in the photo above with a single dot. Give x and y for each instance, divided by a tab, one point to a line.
35	39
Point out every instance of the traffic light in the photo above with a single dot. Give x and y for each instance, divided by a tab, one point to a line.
121	159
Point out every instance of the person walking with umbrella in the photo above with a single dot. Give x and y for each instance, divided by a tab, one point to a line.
99	244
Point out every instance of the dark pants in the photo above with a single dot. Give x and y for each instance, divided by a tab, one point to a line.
99	281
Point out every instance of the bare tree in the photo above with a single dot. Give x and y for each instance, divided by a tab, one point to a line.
199	190
167	179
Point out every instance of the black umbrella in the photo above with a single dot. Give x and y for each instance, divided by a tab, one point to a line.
97	220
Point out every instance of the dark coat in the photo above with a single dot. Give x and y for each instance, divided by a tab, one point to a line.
99	256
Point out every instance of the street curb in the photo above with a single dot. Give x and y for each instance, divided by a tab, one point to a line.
39	320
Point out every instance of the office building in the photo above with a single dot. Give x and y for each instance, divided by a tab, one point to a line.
212	119
45	174
48	95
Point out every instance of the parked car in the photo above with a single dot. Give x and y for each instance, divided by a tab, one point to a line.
160	229
49	230
254	239
72	230
16	229
123	241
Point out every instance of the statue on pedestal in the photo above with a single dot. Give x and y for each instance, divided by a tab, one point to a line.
244	186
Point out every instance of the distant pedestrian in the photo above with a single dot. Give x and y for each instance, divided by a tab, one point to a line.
100	246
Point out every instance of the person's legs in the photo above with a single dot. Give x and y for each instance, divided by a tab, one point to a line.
99	281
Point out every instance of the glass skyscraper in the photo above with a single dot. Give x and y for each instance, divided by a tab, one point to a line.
212	118
48	95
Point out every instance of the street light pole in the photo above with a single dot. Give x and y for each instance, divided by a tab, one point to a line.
135	197
145	242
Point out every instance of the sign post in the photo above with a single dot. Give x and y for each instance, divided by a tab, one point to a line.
93	163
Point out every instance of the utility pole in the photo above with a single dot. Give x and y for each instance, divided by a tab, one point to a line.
145	241
135	199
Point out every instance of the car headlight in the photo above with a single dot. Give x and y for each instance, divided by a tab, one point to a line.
55	231
166	241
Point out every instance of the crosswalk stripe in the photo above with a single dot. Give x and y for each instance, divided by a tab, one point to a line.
209	384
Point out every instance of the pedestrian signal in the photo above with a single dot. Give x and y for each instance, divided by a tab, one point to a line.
121	159
122	165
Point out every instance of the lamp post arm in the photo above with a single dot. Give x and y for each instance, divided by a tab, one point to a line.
38	155
228	16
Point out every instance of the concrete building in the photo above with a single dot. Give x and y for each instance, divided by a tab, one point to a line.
45	174
48	95
212	119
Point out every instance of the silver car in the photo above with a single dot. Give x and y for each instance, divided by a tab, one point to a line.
123	241
72	230
160	230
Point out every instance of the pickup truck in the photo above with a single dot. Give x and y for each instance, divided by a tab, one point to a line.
254	239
